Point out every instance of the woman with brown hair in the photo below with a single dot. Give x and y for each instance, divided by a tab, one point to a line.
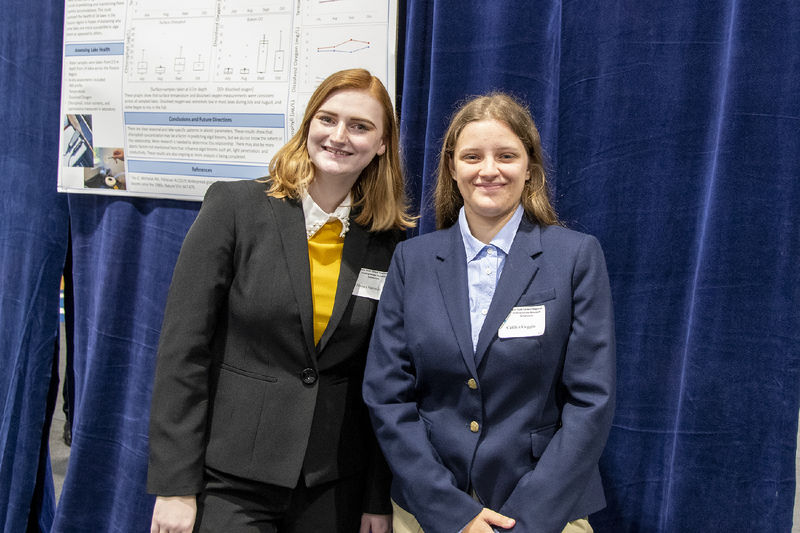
490	376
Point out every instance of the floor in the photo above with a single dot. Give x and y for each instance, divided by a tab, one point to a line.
59	452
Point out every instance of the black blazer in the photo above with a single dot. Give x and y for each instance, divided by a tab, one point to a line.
240	385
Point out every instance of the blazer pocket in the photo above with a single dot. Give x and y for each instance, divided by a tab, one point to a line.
539	297
235	419
540	439
247	373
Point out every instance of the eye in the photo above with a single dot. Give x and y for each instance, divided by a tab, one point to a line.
508	157
361	127
470	157
325	119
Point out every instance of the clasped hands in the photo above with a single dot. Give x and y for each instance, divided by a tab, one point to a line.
486	521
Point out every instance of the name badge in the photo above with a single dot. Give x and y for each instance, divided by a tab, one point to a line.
369	283
524	321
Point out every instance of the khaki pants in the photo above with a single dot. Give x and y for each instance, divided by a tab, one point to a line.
404	522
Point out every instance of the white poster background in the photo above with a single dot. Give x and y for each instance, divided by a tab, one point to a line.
161	99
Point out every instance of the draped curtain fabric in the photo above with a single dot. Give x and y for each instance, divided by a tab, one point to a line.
33	244
672	134
123	252
673	130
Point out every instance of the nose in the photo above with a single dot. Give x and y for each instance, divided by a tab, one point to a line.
339	133
488	168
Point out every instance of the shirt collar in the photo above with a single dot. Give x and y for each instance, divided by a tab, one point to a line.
502	240
316	217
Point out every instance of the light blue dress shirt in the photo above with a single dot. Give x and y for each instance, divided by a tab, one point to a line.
484	266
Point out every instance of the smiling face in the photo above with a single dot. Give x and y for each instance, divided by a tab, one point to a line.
490	168
344	135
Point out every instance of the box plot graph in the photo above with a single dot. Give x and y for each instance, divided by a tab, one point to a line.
253	48
180	54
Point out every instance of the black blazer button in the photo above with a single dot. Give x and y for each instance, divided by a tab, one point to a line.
309	376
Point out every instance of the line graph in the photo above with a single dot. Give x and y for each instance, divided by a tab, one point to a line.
350	46
326	49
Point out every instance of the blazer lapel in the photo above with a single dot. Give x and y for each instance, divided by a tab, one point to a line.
355	247
518	271
451	270
291	225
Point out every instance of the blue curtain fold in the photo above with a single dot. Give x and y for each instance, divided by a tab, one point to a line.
689	177
123	253
33	228
671	129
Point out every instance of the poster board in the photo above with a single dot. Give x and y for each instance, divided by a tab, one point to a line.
162	98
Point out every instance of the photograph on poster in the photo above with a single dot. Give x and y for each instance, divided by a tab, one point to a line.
76	137
108	171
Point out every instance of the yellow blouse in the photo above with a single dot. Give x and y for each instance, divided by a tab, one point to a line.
325	259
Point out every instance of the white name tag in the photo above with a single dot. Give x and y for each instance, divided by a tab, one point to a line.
525	321
369	283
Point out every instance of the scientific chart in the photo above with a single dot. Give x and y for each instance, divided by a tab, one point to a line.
161	99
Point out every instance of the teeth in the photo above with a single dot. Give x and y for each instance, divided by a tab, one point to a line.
337	152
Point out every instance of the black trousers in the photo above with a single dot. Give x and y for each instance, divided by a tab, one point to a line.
229	504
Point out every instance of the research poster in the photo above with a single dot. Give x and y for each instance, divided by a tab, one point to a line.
160	98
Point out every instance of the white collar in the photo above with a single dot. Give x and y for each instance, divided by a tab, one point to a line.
316	217
502	241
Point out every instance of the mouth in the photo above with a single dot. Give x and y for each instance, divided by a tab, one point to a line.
490	186
335	152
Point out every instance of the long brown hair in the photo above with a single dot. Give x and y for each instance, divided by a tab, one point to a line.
379	191
499	106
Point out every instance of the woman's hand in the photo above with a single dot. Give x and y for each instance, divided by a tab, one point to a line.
486	519
174	514
375	523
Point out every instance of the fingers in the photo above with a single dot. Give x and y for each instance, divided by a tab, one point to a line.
365	525
375	523
486	519
496	519
174	514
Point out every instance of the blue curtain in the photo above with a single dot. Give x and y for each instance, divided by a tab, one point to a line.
123	252
673	130
672	134
33	244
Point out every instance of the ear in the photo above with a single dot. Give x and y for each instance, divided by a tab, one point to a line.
452	166
528	175
381	148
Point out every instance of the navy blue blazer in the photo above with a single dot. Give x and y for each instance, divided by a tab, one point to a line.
522	421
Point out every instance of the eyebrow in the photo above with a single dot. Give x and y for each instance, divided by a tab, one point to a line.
497	149
356	119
